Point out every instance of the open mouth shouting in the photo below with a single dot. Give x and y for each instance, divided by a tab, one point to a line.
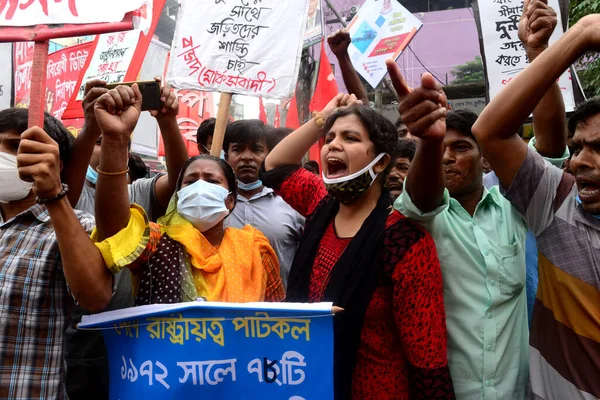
588	190
336	168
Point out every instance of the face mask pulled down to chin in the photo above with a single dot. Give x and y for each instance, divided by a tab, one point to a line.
203	204
12	188
349	188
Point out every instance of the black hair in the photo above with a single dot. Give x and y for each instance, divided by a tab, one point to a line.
407	148
312	166
249	131
380	129
16	120
462	121
281	133
205	130
137	168
583	113
226	168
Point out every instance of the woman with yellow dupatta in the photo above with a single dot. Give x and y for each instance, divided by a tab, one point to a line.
189	254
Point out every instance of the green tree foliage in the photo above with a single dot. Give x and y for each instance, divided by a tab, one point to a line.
470	72
588	67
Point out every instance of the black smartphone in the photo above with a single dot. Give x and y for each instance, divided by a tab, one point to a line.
150	91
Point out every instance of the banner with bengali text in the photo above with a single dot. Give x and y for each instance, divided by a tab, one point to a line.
62	73
219	350
36	12
505	55
239	46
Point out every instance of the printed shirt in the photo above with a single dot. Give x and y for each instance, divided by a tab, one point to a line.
35	305
483	266
565	330
402	353
279	222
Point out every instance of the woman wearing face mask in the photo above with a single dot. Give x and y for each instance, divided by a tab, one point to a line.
189	254
381	268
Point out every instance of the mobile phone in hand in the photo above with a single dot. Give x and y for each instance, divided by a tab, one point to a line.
150	91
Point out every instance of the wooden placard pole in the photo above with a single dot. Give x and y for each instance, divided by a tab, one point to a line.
221	124
37	96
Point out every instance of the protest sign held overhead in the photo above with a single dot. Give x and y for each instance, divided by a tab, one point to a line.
380	30
37	12
505	55
219	350
239	46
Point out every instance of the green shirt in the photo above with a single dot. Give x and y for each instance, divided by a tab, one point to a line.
483	266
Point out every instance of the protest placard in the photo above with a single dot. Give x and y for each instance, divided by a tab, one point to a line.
219	350
37	12
505	55
239	46
62	73
380	30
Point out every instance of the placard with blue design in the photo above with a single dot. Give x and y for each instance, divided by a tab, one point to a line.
219	350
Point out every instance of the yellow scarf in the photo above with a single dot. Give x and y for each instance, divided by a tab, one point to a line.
232	272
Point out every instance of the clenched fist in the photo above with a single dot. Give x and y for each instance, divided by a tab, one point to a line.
38	161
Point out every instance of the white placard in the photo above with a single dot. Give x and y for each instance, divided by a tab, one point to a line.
505	55
239	46
380	30
6	75
36	12
111	59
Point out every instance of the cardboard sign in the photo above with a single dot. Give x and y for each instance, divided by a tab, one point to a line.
219	351
505	55
38	12
380	30
239	46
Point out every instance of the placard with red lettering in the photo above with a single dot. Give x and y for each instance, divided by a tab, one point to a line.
505	55
62	73
239	46
37	12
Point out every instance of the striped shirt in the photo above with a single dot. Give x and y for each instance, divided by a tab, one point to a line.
35	305
565	331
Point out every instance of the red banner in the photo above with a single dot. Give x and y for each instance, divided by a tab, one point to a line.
74	107
194	107
62	73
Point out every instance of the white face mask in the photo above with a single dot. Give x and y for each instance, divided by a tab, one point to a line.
203	204
12	188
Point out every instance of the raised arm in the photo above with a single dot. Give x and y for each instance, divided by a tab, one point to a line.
175	151
74	172
423	110
338	43
549	118
88	278
293	147
495	127
117	113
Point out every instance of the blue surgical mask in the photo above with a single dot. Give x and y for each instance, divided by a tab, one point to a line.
580	203
248	187
91	175
202	204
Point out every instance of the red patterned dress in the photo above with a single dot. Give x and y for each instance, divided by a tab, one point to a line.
402	354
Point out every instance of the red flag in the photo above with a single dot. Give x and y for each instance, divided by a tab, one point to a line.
327	87
262	113
292	120
277	120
